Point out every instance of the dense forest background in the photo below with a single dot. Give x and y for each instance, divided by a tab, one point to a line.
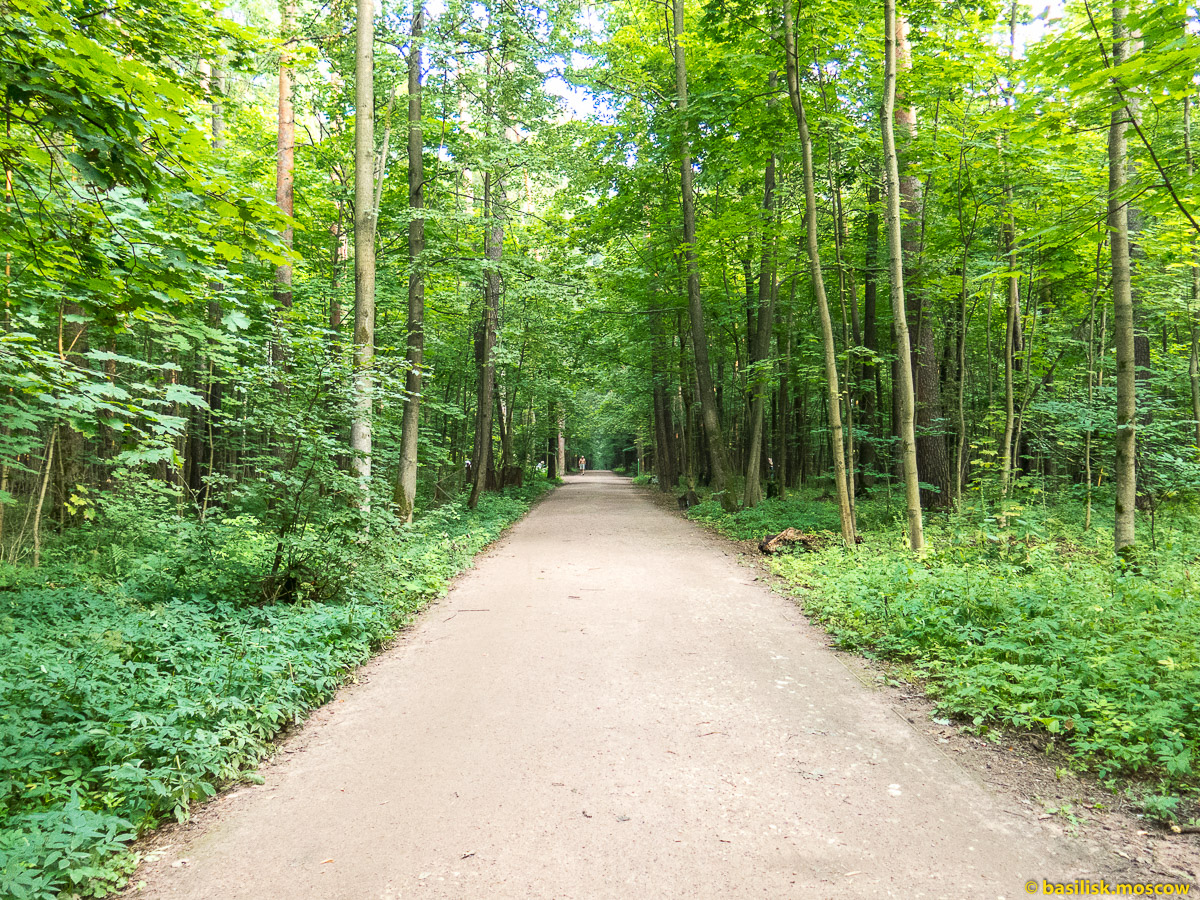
304	302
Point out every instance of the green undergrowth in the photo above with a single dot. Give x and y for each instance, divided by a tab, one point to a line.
1032	625
124	700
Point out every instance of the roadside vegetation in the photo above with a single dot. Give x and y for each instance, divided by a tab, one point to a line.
1030	624
142	668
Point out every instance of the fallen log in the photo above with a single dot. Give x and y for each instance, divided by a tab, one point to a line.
790	537
793	537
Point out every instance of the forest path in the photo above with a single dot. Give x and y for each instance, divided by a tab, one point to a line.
609	706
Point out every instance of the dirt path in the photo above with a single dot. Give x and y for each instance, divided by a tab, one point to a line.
610	706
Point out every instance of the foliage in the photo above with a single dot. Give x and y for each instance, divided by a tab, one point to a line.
1032	626
134	685
774	515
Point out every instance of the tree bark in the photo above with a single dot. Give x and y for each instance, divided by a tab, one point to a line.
72	446
37	516
560	444
406	482
1123	329
814	259
932	461
1194	294
364	250
872	379
783	465
904	376
759	349
1012	312
493	200
285	148
664	427
704	380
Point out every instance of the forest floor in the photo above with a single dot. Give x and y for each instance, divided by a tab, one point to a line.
610	705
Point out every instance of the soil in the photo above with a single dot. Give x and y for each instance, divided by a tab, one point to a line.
613	704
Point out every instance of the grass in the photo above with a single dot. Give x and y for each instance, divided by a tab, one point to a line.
124	700
1033	625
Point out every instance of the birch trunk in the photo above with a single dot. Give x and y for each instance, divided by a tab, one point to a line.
364	250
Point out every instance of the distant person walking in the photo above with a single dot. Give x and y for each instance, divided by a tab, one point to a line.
582	464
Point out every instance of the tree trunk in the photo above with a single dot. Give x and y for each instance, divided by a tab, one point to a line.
285	148
932	461
1091	384
1012	312
872	390
818	282
1194	295
783	466
364	251
72	446
216	386
493	199
560	444
904	376
664	427
759	348
37	516
1123	331
960	449
406	482
847	393
704	380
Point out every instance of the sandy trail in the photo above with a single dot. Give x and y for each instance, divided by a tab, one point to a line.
610	706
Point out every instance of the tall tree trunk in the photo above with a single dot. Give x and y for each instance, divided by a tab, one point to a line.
1194	294
406	482
365	214
72	447
1091	385
960	449
872	378
759	345
493	201
847	394
664	427
1123	331
704	380
1012	305
931	445
560	444
818	282
1012	312
552	468
41	500
783	466
904	376
285	147
216	383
